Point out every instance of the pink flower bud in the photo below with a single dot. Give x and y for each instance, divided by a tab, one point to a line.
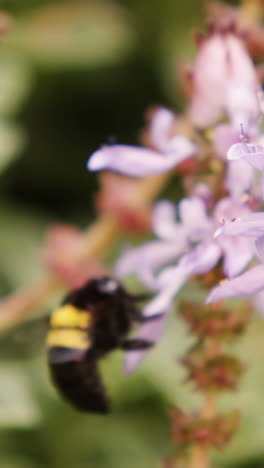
224	80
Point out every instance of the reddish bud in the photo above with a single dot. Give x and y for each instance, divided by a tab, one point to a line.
218	373
117	197
64	255
188	167
193	429
215	320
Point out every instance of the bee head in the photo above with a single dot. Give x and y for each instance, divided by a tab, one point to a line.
107	285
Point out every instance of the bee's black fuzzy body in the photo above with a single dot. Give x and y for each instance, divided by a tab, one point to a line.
91	322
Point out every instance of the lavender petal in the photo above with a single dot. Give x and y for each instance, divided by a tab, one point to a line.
151	331
251	282
238	252
135	161
239	178
146	259
251	225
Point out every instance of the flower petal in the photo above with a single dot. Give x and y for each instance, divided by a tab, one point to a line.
239	178
242	104
251	225
236	151
251	282
160	127
210	74
150	331
198	261
238	251
228	209
135	161
202	258
146	259
224	136
182	146
262	185
241	66
253	154
260	247
175	279
194	217
164	222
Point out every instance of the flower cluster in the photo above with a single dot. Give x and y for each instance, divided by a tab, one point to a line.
216	224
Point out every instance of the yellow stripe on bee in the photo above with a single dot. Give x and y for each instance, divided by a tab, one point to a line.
68	338
70	316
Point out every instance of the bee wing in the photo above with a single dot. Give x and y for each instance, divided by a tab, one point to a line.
58	355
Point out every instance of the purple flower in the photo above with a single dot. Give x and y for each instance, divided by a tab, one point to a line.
185	248
198	261
253	154
176	238
151	331
249	153
146	259
138	161
250	225
252	281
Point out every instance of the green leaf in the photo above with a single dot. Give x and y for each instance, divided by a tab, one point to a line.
17	407
16	81
21	236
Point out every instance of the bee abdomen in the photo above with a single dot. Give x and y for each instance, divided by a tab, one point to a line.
80	383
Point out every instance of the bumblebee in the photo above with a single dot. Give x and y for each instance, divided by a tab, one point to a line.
91	322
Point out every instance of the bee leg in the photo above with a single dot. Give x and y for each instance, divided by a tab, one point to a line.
135	344
140	297
146	318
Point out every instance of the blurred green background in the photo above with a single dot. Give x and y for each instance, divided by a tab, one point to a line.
72	75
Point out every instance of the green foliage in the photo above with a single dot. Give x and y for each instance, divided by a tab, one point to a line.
82	34
12	141
15	85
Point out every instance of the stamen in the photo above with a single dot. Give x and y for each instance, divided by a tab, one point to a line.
244	139
243	135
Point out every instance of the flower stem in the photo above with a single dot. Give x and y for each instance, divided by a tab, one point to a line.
200	453
209	406
199	456
18	306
